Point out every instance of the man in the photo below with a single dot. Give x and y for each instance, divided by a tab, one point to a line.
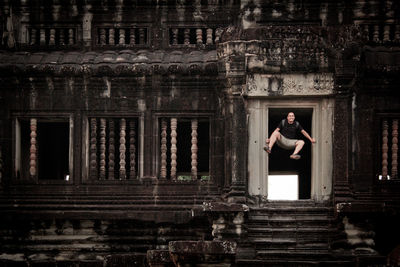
285	135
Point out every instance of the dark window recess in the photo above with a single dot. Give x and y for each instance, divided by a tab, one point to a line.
184	148
279	161
52	150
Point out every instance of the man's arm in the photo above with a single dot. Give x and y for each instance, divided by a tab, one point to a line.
312	140
276	130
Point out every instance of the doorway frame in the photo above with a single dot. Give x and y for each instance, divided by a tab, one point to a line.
321	152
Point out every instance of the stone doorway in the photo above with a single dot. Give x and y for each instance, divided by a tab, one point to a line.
315	169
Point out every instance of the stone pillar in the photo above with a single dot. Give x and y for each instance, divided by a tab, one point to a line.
341	147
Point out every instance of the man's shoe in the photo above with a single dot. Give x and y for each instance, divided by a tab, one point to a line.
295	156
266	148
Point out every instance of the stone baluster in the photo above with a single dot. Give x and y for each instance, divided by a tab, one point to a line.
93	148
33	149
103	36
218	33
386	33
70	36
132	37
375	34
186	36
111	150
385	149
194	149
121	37
141	36
52	40
62	37
366	31
397	33
395	147
209	36
111	34
132	149
102	175
33	36
122	149
174	125
42	36
174	36
163	172
199	36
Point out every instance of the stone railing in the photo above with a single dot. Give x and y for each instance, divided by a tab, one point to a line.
389	149
381	33
112	148
52	36
194	36
109	36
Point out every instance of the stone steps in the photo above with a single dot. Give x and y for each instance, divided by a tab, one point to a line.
291	232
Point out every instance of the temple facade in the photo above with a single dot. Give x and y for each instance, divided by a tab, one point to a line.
132	133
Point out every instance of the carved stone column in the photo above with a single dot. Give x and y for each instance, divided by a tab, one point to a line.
395	148
385	148
33	150
132	150
174	124
194	149
163	171
102	149
111	150
93	149
122	149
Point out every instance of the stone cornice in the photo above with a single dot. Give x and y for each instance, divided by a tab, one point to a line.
110	63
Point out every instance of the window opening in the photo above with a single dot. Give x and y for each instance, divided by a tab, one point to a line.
389	148
47	157
184	150
113	148
279	160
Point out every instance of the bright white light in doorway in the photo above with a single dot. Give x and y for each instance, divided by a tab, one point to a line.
283	187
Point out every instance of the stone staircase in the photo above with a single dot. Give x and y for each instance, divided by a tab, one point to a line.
292	233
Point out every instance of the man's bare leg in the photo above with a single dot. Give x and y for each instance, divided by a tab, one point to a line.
299	146
272	139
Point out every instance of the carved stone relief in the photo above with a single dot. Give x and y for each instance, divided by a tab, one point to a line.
289	84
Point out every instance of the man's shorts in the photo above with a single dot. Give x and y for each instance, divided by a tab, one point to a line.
286	143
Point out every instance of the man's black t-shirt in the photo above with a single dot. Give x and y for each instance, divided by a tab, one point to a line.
290	130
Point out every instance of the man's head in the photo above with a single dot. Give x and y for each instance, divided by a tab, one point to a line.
290	117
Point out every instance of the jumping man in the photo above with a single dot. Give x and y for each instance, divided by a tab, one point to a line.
285	135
